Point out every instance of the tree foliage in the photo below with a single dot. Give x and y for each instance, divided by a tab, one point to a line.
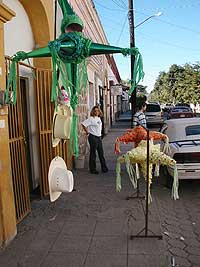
141	89
181	84
141	92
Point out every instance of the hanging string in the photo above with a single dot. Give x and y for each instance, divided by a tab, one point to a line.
12	77
138	73
12	82
130	170
175	185
118	174
81	51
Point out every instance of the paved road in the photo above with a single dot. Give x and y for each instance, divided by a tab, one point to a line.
180	220
91	227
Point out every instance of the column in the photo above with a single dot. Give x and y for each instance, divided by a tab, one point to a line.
8	228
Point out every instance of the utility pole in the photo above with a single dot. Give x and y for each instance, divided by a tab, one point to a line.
132	44
55	18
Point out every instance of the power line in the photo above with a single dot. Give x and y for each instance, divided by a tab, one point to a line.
123	27
119	4
158	41
163	21
125	5
109	19
179	26
149	37
169	23
112	9
161	42
170	44
174	7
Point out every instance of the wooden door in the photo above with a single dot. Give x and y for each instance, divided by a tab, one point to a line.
17	144
45	109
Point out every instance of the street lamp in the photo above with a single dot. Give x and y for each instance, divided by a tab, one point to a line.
152	16
132	44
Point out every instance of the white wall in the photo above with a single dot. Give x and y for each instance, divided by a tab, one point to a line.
59	17
19	37
18	32
111	76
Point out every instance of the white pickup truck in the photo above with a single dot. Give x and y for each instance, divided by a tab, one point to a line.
184	138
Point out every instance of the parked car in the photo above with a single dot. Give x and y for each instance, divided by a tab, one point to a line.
168	106
154	114
182	105
184	137
180	112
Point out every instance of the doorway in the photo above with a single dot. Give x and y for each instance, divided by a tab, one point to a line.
26	120
18	155
101	102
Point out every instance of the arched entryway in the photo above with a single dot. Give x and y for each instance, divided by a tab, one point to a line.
31	119
28	30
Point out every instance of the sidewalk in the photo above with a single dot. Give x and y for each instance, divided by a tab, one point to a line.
91	227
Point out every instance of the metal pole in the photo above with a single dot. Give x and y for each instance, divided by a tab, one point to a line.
145	229
144	21
132	44
147	188
55	18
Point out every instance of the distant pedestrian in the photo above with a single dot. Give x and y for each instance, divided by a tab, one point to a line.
166	115
139	117
93	127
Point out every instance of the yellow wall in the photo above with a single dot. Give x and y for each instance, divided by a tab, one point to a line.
40	13
7	207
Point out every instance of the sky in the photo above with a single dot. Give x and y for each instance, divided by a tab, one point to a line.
172	38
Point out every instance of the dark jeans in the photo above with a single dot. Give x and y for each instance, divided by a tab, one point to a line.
96	145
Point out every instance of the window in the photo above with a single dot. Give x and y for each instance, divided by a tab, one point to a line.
187	157
153	108
192	130
180	110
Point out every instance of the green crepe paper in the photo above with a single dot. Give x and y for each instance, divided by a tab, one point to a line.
69	53
12	77
12	80
175	185
69	16
138	73
74	48
66	8
74	136
78	55
130	170
118	177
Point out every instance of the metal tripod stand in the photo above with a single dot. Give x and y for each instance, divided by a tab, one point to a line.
146	232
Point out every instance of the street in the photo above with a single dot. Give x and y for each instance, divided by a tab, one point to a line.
91	226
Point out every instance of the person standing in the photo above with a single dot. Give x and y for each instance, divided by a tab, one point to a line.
139	117
93	126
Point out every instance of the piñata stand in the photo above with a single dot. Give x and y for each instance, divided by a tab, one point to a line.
146	232
146	154
136	135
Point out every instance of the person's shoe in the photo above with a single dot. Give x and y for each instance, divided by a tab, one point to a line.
105	170
94	172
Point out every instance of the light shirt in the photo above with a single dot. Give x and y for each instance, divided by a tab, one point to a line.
94	125
139	117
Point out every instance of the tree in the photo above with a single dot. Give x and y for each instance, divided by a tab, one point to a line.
181	84
141	89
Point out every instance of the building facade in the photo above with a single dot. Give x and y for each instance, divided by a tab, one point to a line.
25	130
